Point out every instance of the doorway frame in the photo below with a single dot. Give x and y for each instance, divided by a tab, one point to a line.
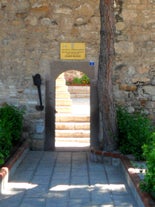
56	68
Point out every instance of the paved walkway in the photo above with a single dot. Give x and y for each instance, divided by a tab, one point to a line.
66	179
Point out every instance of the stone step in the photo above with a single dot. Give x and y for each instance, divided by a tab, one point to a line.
73	140
72	125
63	110
62	97
79	95
79	89
72	118
61	94
63	102
72	133
60	81
61	88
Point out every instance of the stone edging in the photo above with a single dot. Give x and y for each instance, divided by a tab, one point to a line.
145	197
9	168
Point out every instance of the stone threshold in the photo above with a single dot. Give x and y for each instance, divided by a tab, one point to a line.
11	165
143	199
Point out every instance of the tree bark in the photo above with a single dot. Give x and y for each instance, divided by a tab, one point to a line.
108	128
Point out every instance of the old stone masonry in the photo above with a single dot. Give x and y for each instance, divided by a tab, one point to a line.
30	37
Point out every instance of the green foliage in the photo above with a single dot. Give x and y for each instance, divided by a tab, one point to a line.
11	123
1	158
133	131
76	81
84	80
148	184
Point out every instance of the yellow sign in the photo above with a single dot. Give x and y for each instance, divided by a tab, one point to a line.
72	51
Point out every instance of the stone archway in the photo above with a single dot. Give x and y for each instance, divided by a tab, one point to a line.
56	68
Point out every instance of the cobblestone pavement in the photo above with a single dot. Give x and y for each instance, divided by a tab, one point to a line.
66	179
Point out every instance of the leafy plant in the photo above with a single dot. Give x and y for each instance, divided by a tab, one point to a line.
11	123
84	80
76	81
1	158
134	131
148	184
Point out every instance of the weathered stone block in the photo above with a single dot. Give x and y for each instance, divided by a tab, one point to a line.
143	70
153	98
143	102
84	10
130	15
63	10
149	89
22	6
41	11
37	144
126	87
140	79
32	20
124	48
120	26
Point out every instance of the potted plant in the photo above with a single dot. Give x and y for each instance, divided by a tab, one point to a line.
76	81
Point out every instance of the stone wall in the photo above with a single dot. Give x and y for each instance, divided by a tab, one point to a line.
134	71
30	36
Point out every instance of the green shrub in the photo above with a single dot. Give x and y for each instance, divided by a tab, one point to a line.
11	123
2	157
148	184
84	80
76	81
133	132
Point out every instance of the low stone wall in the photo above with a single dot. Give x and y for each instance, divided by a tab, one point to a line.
143	199
79	91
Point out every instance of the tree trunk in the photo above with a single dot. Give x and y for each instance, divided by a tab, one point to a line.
108	129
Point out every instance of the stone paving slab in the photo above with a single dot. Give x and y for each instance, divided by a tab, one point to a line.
66	179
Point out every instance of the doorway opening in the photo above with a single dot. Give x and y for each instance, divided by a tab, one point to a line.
57	68
72	103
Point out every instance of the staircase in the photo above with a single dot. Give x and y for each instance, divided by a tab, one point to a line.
79	91
72	120
72	130
63	99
